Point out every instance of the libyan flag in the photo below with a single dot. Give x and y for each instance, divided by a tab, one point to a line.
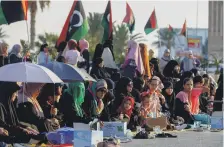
184	29
76	25
129	18
151	25
107	23
13	11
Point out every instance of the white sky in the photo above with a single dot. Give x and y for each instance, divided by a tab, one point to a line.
167	12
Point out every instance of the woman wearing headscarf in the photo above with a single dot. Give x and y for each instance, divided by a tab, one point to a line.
165	59
109	62
122	89
108	101
49	98
145	59
15	54
179	85
93	105
18	132
98	53
138	85
43	57
169	95
172	69
84	52
133	55
189	62
71	104
98	71
3	54
28	104
155	68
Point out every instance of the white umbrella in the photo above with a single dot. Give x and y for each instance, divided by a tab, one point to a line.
27	72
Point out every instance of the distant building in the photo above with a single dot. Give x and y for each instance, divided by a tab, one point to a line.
181	41
215	31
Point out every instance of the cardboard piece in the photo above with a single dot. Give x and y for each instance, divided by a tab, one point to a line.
159	121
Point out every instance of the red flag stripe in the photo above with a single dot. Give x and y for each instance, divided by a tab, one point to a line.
170	28
64	31
25	8
129	14
153	19
184	28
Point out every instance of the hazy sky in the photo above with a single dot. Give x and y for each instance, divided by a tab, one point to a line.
167	12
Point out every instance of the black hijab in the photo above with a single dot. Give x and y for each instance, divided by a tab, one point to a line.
8	112
169	69
121	86
98	52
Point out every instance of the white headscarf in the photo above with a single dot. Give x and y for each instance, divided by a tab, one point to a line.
108	59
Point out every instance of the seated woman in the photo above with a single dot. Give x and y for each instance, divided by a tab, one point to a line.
125	113
108	101
98	71
28	104
71	104
169	95
14	131
93	103
123	88
49	101
183	103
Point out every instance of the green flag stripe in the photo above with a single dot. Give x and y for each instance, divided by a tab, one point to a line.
2	17
149	30
82	31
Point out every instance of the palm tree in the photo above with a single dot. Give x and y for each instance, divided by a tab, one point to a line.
95	30
138	37
50	39
165	38
2	34
217	63
33	11
121	37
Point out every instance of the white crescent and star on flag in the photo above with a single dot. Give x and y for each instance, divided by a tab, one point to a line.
76	20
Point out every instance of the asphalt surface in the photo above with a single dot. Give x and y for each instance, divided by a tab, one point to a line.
184	139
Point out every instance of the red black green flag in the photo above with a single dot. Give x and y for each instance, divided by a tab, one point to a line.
13	11
107	23
76	25
129	18
184	29
170	28
151	25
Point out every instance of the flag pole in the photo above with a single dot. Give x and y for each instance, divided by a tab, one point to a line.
27	30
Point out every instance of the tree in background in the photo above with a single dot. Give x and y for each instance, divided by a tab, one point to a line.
165	38
3	35
50	39
33	7
216	62
121	37
95	33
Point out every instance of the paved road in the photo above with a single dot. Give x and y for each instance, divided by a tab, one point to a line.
184	139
